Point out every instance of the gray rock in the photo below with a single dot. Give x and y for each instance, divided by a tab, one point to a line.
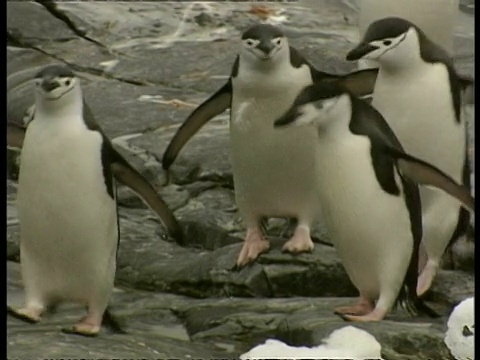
134	58
32	23
451	287
153	331
204	158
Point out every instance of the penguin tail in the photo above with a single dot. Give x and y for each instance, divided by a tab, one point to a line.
111	323
408	298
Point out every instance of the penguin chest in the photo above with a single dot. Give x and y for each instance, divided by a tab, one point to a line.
368	226
419	109
67	219
273	169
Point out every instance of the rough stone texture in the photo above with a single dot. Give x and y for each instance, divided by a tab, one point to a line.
134	58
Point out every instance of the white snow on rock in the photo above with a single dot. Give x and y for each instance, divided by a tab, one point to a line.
348	342
460	338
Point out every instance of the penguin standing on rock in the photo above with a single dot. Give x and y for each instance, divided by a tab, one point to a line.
367	186
274	173
67	206
419	94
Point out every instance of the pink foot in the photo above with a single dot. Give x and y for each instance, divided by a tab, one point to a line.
299	242
375	315
254	245
363	307
426	278
88	326
27	314
422	258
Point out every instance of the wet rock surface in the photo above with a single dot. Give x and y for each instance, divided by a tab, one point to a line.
180	302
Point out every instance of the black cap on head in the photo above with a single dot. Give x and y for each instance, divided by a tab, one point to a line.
389	27
55	71
262	31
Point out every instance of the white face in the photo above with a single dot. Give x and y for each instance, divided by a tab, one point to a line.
317	113
395	50
265	49
53	89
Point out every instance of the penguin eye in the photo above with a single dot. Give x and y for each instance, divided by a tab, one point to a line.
387	42
249	42
277	41
68	82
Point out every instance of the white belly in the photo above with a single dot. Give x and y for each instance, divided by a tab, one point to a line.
369	228
420	112
68	235
274	169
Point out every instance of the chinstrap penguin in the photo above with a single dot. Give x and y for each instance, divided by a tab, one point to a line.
419	93
367	186
67	206
273	172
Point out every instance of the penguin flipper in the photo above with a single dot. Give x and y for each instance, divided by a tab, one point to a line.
15	135
424	173
361	82
214	105
130	177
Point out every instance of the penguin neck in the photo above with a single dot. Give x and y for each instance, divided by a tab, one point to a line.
408	60
68	104
266	67
337	122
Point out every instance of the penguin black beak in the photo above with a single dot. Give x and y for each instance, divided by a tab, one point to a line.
266	47
49	85
360	51
286	119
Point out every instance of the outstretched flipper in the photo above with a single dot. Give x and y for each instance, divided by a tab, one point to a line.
214	105
15	135
426	174
130	177
360	83
127	175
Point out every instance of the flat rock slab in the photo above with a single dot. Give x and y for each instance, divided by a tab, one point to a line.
165	325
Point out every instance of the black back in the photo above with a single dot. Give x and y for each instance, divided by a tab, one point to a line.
108	156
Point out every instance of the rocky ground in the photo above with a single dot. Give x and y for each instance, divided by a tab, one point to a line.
188	301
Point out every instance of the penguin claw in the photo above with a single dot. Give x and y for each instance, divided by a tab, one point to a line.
251	251
361	318
18	314
75	330
299	242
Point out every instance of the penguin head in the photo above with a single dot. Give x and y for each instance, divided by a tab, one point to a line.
56	84
318	104
390	41
263	43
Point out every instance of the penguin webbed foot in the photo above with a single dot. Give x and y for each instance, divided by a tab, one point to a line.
375	315
426	277
362	307
76	330
88	326
28	315
300	242
254	245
